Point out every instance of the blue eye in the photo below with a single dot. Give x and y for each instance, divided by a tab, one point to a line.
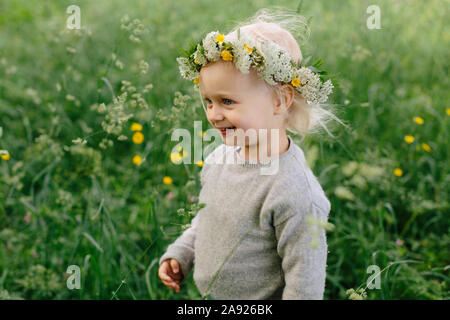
228	100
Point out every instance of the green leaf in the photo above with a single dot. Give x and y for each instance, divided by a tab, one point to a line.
299	7
318	63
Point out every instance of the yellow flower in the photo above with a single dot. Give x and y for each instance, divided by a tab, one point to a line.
195	60
418	120
398	172
426	147
136	126
409	139
226	55
167	180
196	80
175	157
138	137
200	163
248	49
220	38
447	111
6	156
295	82
137	160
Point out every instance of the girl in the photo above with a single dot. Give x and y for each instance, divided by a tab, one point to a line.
260	236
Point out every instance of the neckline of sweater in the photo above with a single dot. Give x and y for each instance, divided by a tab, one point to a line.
255	164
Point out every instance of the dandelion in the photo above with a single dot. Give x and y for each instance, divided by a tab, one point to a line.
200	163
426	147
398	172
136	126
6	156
247	48
409	139
295	82
138	137
137	160
167	180
226	55
447	111
418	120
175	157
220	38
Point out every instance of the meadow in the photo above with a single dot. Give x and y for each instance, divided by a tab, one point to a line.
87	176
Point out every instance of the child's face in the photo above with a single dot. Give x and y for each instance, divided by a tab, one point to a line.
237	99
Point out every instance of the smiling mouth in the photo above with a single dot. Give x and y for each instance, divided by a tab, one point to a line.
224	131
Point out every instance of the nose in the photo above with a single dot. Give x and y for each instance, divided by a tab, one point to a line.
215	114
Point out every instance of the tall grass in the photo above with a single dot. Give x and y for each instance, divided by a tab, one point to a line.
74	203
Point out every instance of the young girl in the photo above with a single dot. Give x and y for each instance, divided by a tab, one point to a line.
260	236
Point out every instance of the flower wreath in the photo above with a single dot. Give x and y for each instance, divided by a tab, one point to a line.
272	62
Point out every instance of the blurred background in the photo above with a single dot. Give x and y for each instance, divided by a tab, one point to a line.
88	174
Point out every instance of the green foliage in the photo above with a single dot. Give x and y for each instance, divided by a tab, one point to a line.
71	194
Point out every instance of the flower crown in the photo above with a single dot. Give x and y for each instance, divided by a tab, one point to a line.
272	62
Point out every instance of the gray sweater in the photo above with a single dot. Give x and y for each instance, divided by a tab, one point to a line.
258	225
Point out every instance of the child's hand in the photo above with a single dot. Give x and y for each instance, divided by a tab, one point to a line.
170	274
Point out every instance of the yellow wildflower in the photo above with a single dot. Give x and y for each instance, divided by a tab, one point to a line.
248	49
295	82
398	172
418	120
220	38
226	55
137	160
409	139
447	111
6	156
167	180
136	126
175	157
196	80
138	137
200	163
426	147
195	60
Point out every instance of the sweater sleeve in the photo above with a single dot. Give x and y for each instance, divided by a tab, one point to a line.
303	264
183	249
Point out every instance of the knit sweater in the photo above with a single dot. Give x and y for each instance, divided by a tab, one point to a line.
258	225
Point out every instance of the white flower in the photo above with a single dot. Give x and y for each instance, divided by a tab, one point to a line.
185	68
209	43
200	57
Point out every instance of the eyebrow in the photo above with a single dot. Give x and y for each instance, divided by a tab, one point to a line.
220	94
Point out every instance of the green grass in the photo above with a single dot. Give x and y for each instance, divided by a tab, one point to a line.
67	204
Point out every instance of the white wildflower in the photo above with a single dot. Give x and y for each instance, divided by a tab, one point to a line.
212	52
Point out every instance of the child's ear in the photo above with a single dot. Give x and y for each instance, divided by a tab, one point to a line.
283	97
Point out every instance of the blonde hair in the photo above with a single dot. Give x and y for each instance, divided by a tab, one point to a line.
282	26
